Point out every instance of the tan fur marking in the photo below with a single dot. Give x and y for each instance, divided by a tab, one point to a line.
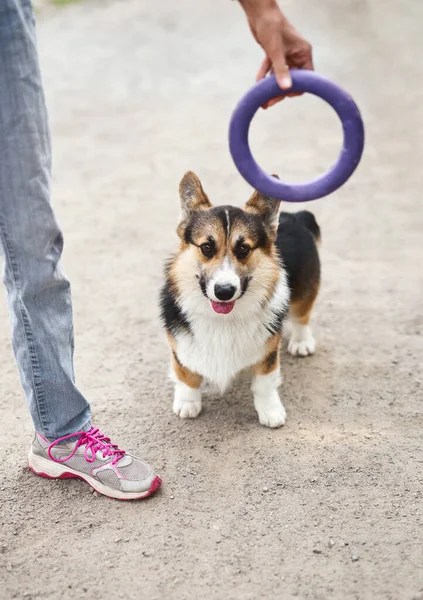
193	199
301	309
266	207
191	191
260	204
192	380
173	278
271	360
266	272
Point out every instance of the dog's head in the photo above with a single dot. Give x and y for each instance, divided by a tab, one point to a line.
227	252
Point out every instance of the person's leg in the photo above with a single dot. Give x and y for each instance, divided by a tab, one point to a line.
38	293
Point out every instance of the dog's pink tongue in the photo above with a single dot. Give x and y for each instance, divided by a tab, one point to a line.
222	308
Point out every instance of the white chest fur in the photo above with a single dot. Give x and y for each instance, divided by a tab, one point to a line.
220	346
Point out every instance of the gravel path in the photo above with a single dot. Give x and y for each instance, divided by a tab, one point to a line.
329	507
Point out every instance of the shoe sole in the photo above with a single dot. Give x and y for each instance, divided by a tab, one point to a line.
43	467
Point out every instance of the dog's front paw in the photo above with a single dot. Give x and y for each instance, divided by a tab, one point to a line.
187	402
272	417
270	410
188	409
302	342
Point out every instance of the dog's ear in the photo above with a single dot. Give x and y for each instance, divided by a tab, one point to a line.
266	207
192	195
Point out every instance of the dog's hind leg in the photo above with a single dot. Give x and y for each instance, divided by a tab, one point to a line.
298	240
187	398
301	342
266	380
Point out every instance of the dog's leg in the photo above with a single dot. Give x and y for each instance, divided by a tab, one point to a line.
266	380
302	342
187	399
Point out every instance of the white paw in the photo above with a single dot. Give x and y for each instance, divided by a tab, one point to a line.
267	403
273	417
302	347
302	342
187	401
187	409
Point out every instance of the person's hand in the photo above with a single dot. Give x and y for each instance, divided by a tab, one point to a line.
284	47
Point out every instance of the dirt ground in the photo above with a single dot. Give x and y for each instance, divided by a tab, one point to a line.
331	505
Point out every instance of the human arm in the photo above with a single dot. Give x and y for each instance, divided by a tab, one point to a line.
283	45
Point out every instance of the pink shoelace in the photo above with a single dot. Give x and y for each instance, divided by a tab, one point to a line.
94	441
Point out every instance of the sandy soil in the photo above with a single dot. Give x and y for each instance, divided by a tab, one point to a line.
331	505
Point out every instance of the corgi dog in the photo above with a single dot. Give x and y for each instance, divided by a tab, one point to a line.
238	276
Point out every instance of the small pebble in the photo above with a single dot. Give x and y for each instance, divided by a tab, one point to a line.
331	543
317	551
354	557
265	489
172	497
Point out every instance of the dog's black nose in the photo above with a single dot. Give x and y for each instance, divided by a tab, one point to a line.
224	291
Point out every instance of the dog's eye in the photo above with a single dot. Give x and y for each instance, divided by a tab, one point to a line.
207	249
243	250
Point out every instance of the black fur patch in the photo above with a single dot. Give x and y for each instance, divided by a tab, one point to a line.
307	219
296	244
172	316
275	325
175	356
203	285
188	231
220	213
244	285
270	360
254	223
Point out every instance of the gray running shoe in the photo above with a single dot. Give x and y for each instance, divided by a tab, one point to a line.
94	459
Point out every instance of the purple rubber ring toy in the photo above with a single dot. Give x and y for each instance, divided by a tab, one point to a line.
341	102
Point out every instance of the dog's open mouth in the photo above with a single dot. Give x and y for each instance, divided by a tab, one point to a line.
222	308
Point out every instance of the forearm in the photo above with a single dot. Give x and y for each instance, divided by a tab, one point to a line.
254	8
257	4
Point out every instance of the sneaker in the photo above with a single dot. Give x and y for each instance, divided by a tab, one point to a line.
93	458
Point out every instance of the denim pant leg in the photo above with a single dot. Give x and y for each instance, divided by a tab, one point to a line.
38	293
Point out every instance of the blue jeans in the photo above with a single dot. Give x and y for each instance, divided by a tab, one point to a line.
38	293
